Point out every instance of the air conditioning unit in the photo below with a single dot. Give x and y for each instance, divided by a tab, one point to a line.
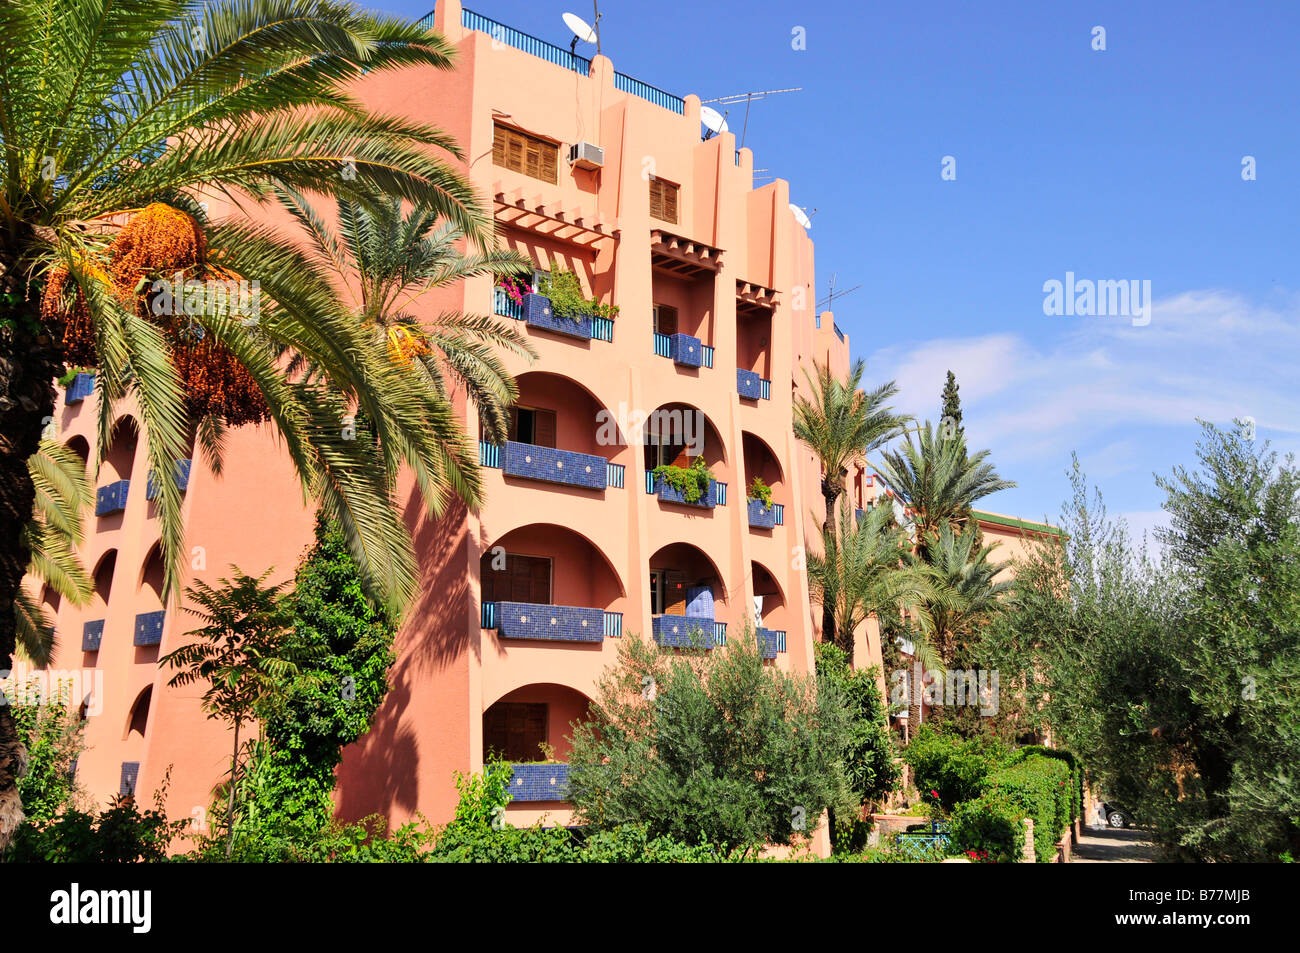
586	155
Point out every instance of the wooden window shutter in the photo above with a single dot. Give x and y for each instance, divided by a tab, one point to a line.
544	428
521	152
663	201
513	432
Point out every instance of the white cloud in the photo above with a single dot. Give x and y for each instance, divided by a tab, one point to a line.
1094	382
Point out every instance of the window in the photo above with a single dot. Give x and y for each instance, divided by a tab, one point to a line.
534	157
521	579
665	317
532	425
515	730
663	201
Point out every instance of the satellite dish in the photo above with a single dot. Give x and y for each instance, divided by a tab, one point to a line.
713	120
800	216
578	27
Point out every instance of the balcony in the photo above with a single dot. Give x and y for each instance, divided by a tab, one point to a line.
82	386
182	479
92	633
148	628
716	495
539	782
683	349
111	498
130	775
752	387
687	632
761	517
771	642
535	621
554	466
538	313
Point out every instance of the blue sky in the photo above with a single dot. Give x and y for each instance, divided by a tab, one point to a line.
1117	164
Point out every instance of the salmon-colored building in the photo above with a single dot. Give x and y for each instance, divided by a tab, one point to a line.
523	603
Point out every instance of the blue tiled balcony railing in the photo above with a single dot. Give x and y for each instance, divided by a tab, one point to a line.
538	313
670	494
684	632
747	384
771	642
555	466
148	628
92	634
686	350
82	386
527	620
182	479
111	498
760	516
540	782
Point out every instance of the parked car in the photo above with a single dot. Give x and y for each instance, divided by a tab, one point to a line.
1116	817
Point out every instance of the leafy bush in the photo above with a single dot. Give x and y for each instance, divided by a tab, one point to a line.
948	769
709	748
758	490
870	758
989	824
52	734
564	290
691	482
1036	787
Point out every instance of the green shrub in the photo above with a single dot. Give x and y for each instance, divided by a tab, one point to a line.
564	290
947	769
1037	787
758	490
691	482
991	824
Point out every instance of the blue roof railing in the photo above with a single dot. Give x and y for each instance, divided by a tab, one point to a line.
558	55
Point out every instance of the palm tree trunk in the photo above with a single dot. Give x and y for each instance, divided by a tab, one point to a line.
830	493
29	362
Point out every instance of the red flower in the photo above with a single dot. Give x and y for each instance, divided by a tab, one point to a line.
933	793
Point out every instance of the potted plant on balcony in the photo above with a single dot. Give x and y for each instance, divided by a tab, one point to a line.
572	311
760	492
514	289
691	482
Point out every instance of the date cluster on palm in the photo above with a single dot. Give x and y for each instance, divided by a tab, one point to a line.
158	244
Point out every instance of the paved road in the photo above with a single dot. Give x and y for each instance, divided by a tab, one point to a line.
1104	845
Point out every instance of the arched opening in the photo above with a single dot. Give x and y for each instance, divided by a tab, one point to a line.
687	596
81	448
557	412
532	723
770	610
151	575
678	434
50	600
103	578
139	719
545	565
121	450
762	464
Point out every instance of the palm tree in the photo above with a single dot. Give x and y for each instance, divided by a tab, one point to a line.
938	480
842	423
53	534
864	571
116	118
387	259
963	572
241	653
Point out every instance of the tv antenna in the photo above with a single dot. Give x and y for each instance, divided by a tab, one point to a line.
827	303
581	31
747	99
800	216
